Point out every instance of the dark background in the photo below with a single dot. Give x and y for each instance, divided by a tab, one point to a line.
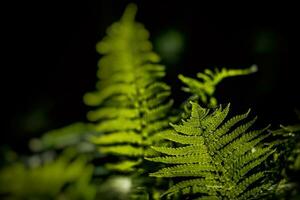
53	60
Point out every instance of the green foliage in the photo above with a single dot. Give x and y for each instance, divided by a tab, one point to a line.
287	160
132	103
287	141
206	156
219	159
75	135
204	88
63	178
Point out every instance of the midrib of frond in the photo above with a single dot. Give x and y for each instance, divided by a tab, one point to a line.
141	104
145	75
130	52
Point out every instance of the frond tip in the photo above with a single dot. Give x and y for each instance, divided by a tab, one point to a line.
223	156
204	87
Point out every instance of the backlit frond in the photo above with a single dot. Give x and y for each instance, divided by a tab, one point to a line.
204	87
225	157
132	103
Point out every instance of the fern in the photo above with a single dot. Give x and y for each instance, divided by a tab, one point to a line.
223	159
206	156
133	104
204	88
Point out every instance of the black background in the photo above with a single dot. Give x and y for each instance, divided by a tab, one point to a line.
52	59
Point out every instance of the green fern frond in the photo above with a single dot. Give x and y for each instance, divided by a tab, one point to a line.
133	104
224	157
204	88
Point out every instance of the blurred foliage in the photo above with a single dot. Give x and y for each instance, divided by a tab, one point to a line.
75	135
287	157
66	177
132	103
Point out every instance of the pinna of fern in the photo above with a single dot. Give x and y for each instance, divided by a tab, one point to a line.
132	103
217	158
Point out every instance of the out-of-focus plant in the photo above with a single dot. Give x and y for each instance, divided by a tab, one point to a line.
287	161
66	177
75	135
133	104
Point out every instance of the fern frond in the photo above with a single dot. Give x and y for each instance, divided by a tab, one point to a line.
133	104
204	88
226	156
